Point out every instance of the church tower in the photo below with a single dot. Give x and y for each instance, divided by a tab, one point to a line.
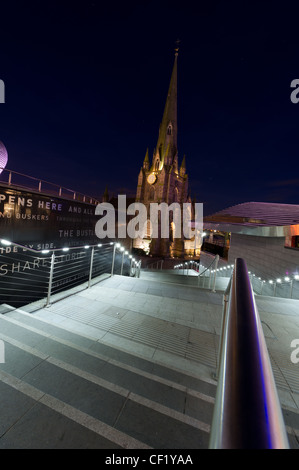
163	179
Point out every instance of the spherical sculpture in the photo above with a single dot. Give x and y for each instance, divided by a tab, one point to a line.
3	157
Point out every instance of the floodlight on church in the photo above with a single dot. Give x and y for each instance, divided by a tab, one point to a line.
3	157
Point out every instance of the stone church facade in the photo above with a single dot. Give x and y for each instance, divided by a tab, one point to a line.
163	179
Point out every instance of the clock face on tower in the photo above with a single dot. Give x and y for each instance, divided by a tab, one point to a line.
151	178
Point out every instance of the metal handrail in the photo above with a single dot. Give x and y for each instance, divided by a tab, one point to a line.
247	412
54	276
32	250
74	194
206	269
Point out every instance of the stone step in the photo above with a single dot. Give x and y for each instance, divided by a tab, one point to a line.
182	278
105	352
40	352
31	419
145	407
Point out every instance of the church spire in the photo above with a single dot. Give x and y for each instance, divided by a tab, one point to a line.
105	197
168	127
146	161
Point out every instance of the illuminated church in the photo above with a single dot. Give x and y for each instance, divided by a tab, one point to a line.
164	179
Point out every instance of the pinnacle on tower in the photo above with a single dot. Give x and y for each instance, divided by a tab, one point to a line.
146	161
183	166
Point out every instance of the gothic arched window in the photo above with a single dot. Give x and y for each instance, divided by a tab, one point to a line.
151	195
169	129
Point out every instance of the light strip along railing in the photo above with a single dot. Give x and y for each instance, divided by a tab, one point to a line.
286	286
28	275
37	184
247	412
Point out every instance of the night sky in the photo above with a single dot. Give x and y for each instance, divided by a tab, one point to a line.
86	83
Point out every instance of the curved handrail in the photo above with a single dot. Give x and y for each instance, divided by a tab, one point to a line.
206	269
215	260
247	412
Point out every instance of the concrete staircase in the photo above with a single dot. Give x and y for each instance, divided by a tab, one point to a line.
124	365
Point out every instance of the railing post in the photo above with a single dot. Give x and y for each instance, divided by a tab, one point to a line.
122	263
50	279
39	186
225	302
90	268
131	270
291	291
9	178
216	264
210	278
113	259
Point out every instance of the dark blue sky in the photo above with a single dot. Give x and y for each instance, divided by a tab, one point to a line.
86	85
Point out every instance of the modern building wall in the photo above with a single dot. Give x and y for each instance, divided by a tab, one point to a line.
267	257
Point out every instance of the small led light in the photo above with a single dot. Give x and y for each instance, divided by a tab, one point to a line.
45	251
6	242
65	249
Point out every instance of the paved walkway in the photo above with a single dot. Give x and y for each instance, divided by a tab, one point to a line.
128	363
177	324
